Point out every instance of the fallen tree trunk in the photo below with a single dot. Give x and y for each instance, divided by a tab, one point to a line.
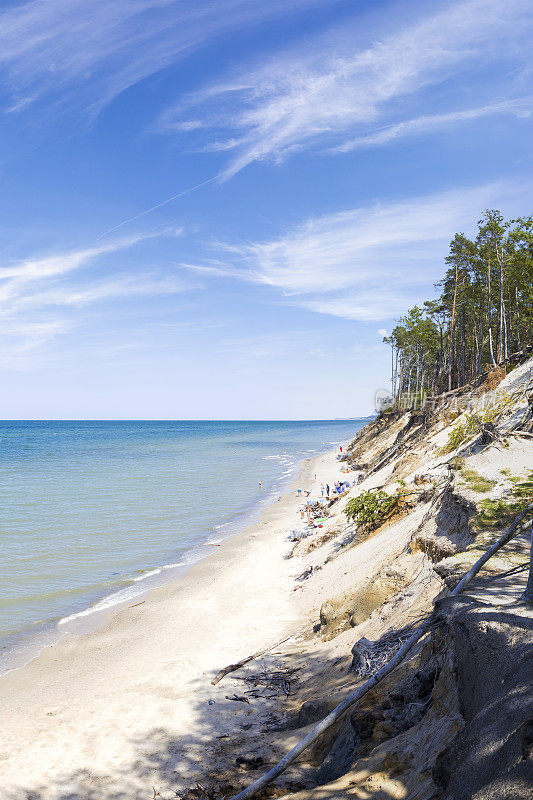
352	698
232	667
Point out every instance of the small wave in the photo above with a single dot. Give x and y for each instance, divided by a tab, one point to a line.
133	590
221	525
287	472
108	602
155	571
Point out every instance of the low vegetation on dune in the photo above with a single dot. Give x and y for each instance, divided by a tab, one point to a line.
372	509
474	481
493	514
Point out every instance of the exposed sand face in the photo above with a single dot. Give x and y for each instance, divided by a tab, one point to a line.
107	711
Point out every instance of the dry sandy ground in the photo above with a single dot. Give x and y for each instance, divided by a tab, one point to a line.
101	713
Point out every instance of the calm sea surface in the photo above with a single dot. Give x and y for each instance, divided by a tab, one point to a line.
94	513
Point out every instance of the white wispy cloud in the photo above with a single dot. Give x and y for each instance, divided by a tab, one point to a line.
434	122
34	291
368	263
17	277
331	87
22	342
126	286
58	264
29	335
102	47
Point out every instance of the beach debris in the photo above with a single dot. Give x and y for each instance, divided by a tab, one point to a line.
279	681
200	792
369	657
305	574
238	698
249	762
238	664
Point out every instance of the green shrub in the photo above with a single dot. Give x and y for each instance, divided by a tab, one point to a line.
373	508
461	432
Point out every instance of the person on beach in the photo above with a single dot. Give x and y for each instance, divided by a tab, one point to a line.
322	489
327	490
260	484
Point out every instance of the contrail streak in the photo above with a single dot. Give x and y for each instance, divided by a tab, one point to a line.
158	205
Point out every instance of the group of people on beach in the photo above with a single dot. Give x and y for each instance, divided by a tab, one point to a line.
339	488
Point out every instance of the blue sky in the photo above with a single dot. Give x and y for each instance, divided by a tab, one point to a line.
320	155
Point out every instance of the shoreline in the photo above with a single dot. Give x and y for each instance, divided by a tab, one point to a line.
29	644
133	710
236	600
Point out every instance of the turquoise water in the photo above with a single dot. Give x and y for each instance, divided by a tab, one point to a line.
94	513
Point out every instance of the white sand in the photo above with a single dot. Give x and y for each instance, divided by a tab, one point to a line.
101	715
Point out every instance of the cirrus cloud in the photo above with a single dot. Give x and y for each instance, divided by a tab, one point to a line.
368	263
305	97
89	51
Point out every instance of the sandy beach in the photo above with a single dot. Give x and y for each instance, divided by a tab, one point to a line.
129	712
106	709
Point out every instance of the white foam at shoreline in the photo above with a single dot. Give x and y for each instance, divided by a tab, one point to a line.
134	590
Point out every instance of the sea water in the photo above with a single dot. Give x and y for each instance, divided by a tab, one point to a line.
94	513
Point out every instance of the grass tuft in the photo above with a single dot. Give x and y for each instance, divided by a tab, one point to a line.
494	514
477	482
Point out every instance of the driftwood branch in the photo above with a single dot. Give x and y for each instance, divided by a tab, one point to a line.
233	667
352	698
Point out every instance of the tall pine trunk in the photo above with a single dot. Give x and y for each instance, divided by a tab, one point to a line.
451	365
